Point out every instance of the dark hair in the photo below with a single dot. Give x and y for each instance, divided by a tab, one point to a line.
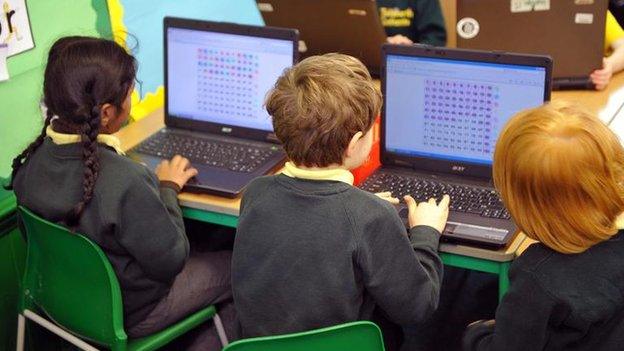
82	74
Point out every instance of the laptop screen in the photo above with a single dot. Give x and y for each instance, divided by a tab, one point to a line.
223	78
454	110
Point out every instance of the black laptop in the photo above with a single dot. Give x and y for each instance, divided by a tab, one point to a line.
216	78
443	110
350	27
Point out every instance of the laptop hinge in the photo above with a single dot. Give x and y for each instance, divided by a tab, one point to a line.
272	138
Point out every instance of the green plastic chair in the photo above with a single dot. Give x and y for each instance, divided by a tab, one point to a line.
69	278
361	336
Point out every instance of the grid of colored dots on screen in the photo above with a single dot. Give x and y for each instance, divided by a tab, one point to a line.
460	116
227	83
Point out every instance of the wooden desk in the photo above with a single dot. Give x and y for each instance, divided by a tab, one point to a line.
224	211
607	100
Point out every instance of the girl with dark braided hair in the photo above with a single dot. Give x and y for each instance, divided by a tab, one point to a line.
75	174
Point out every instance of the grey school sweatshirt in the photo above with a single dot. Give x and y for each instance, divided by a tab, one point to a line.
310	254
556	301
137	224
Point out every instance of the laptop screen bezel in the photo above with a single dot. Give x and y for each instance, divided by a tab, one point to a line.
171	120
448	166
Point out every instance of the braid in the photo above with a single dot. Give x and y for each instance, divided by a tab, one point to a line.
19	160
82	75
89	133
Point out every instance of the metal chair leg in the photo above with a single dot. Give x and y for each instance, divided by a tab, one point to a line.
58	331
21	328
220	330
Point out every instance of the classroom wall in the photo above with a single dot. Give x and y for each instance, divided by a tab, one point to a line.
143	21
20	116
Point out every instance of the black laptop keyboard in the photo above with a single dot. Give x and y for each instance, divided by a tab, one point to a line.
482	201
233	156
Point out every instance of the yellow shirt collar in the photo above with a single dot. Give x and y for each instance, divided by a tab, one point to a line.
338	174
62	139
619	221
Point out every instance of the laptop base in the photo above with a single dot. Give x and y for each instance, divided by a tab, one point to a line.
463	226
210	179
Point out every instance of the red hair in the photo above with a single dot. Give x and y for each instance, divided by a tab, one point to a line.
559	172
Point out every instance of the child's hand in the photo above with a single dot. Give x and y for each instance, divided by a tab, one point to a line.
386	195
602	77
178	170
428	213
400	40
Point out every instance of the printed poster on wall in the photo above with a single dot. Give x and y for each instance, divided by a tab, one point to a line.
15	28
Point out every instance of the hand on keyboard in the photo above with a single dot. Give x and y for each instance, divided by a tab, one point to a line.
468	199
428	213
178	170
386	195
238	157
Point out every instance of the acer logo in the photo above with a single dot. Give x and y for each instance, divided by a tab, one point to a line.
458	168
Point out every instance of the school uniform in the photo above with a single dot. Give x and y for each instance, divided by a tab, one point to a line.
137	222
419	20
559	302
311	251
616	7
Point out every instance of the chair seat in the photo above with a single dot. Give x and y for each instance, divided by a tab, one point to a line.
163	337
360	335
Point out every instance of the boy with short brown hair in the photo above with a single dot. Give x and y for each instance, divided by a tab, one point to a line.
312	250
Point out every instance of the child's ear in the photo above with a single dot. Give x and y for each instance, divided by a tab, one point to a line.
351	149
108	113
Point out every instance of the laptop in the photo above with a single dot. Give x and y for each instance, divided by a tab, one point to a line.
571	32
442	113
216	79
350	27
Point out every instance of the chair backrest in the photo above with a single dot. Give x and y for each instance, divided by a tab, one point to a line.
71	280
361	336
